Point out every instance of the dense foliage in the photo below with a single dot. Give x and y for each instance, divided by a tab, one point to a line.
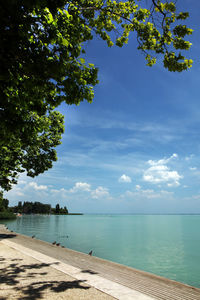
38	208
42	65
29	145
5	212
59	210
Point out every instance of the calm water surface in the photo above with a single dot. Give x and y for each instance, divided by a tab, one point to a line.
166	245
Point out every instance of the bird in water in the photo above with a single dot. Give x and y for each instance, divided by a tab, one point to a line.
90	253
54	243
33	236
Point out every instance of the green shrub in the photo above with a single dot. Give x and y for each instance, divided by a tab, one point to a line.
7	215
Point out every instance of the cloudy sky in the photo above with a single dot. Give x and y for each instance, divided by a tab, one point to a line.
136	148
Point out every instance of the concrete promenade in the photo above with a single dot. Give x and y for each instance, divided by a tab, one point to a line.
34	269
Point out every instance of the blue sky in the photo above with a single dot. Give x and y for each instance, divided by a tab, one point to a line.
136	148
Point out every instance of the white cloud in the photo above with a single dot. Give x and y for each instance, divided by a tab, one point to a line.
62	190
100	192
124	178
21	182
80	186
193	168
148	194
79	191
160	173
138	187
37	187
191	156
163	161
18	193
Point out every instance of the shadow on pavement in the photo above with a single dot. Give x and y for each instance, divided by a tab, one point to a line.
7	236
35	290
14	275
89	272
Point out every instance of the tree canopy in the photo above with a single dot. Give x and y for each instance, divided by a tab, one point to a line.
37	208
42	65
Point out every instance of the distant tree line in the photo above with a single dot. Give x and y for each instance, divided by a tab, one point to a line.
38	208
59	210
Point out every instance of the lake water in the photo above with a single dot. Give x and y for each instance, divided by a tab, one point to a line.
166	245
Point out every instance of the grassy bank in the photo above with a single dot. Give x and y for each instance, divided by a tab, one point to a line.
7	215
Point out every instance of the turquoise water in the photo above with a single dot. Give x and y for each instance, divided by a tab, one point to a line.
166	245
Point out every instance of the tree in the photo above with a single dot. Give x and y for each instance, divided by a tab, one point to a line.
32	208
57	210
65	210
19	206
42	65
3	203
27	207
30	147
5	212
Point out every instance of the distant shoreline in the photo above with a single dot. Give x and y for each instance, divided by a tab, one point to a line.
73	214
69	214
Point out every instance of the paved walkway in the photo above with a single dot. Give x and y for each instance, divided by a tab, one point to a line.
23	277
33	269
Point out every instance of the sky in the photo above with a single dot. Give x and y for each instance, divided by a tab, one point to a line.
136	148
